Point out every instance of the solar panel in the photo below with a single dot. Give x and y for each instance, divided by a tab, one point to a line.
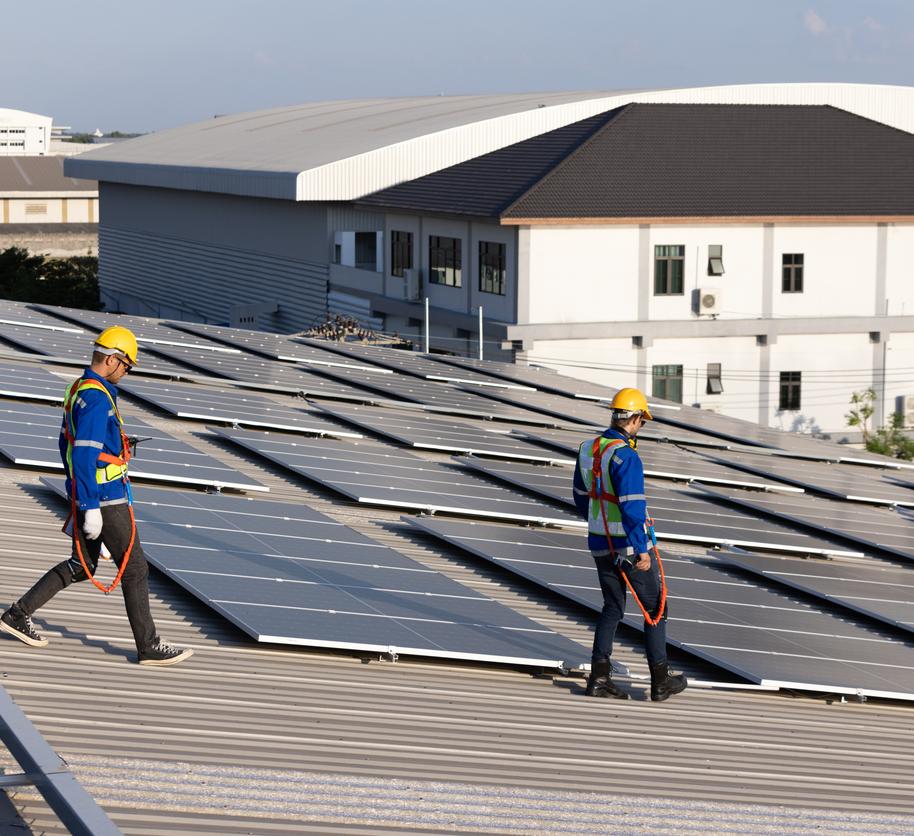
679	513
376	474
149	332
570	439
875	589
31	382
435	396
232	406
29	436
19	313
432	432
767	637
871	527
287	574
412	363
844	481
76	349
268	375
268	345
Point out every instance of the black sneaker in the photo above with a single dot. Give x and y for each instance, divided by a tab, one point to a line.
163	653
21	627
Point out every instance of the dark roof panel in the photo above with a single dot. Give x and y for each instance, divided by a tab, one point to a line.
39	174
486	185
729	160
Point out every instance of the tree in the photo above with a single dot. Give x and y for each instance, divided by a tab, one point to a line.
71	282
86	139
888	440
862	406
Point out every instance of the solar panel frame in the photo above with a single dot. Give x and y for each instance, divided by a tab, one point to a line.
372	473
851	522
432	432
795	631
278	563
681	514
830	580
30	381
29	436
844	481
230	406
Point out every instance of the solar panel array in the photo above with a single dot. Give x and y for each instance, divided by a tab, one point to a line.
878	590
232	406
287	574
435	432
736	612
29	437
376	474
767	637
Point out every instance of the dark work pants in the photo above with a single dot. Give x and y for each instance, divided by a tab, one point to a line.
647	585
116	529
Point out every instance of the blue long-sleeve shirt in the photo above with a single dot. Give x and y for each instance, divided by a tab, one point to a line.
627	475
96	431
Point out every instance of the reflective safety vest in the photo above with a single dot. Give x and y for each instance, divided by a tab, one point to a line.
108	468
595	468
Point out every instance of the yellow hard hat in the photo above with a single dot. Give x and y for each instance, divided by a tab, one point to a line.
120	339
631	400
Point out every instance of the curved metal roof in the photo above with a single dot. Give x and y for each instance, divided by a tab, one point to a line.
344	150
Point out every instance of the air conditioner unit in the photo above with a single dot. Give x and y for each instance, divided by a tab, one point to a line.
709	302
412	285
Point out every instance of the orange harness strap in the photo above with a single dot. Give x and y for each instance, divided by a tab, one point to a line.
598	492
107	458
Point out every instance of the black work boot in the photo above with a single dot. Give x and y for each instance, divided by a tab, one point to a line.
599	683
664	684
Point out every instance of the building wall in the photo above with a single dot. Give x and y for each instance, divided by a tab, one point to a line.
586	278
201	256
42	209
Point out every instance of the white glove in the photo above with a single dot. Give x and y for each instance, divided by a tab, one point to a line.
92	524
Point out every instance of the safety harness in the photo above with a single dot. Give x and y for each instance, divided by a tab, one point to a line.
599	493
114	467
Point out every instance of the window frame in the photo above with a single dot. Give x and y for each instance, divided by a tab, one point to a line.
715	259
662	375
792	272
494	275
445	264
790	391
664	261
401	252
714	385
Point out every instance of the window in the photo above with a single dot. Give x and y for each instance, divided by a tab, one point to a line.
669	266
715	384
492	267
337	253
401	252
366	250
715	260
792	273
444	261
667	383
790	390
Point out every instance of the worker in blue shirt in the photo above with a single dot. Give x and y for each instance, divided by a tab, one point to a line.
95	454
609	494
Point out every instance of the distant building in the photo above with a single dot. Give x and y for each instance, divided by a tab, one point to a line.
24	133
740	247
44	211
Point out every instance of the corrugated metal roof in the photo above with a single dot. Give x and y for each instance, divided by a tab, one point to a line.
255	739
344	150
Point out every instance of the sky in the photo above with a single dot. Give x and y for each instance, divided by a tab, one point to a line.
131	66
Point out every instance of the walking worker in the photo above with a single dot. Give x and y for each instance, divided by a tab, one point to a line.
95	453
609	494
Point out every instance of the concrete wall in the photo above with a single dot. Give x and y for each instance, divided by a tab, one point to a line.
55	240
48	210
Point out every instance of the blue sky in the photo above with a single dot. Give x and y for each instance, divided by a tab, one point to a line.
121	64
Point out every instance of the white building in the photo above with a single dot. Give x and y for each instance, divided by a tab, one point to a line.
754	262
24	133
